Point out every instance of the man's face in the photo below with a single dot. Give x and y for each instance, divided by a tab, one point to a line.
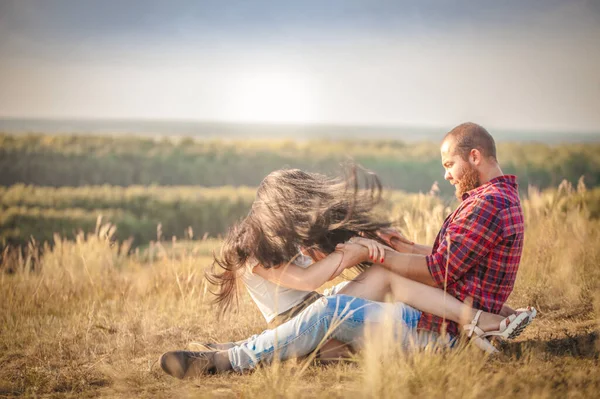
460	173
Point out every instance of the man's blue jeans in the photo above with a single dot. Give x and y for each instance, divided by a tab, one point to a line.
341	317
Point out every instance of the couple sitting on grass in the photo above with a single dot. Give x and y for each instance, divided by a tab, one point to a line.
305	229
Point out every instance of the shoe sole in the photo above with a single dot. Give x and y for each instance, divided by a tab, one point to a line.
522	326
173	364
519	328
182	364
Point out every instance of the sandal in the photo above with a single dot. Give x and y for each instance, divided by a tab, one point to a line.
510	327
479	335
531	312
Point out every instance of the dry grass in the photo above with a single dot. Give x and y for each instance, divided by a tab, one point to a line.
90	321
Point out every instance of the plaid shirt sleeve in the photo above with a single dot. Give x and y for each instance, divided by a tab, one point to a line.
475	229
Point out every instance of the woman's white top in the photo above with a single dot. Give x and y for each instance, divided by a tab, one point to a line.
273	299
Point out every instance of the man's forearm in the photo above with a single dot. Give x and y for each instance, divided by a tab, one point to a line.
417	249
421	249
412	266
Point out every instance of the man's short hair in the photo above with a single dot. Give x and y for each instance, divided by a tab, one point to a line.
470	135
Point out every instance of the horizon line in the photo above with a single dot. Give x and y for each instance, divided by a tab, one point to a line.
287	124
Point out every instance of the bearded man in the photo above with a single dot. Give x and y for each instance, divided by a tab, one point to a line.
477	252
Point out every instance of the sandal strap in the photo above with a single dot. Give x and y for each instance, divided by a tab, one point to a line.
472	328
506	322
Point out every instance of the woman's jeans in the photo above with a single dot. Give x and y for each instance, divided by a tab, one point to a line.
341	317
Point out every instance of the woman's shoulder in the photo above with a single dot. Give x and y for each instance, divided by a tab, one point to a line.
302	260
251	263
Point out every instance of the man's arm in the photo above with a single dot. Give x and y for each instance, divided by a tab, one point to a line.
412	266
471	235
397	241
416	249
469	238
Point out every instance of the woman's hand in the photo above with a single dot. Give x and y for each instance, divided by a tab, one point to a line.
376	250
352	255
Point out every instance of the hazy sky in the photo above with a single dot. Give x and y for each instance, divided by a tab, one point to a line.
515	64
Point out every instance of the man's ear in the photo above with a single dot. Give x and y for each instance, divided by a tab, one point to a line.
475	157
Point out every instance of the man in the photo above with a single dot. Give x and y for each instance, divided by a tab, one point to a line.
481	242
475	257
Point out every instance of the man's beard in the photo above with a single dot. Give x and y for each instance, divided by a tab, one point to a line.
468	181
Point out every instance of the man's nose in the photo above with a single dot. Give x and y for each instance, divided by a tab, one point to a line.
447	175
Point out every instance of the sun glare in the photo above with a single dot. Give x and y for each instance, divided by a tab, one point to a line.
271	97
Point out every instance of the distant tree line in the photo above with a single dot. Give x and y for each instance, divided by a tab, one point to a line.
96	160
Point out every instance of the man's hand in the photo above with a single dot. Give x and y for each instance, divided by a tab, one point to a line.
394	239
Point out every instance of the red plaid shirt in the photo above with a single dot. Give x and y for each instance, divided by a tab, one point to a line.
486	241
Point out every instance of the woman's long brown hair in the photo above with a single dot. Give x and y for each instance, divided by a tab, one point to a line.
296	209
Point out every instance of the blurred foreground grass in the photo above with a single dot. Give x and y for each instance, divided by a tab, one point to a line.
89	320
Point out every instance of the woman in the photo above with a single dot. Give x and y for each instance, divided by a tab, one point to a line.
297	218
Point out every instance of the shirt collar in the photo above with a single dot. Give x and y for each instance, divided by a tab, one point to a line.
507	179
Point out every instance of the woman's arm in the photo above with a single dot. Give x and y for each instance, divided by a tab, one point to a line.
412	266
305	279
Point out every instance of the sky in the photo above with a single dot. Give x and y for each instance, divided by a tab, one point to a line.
512	64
